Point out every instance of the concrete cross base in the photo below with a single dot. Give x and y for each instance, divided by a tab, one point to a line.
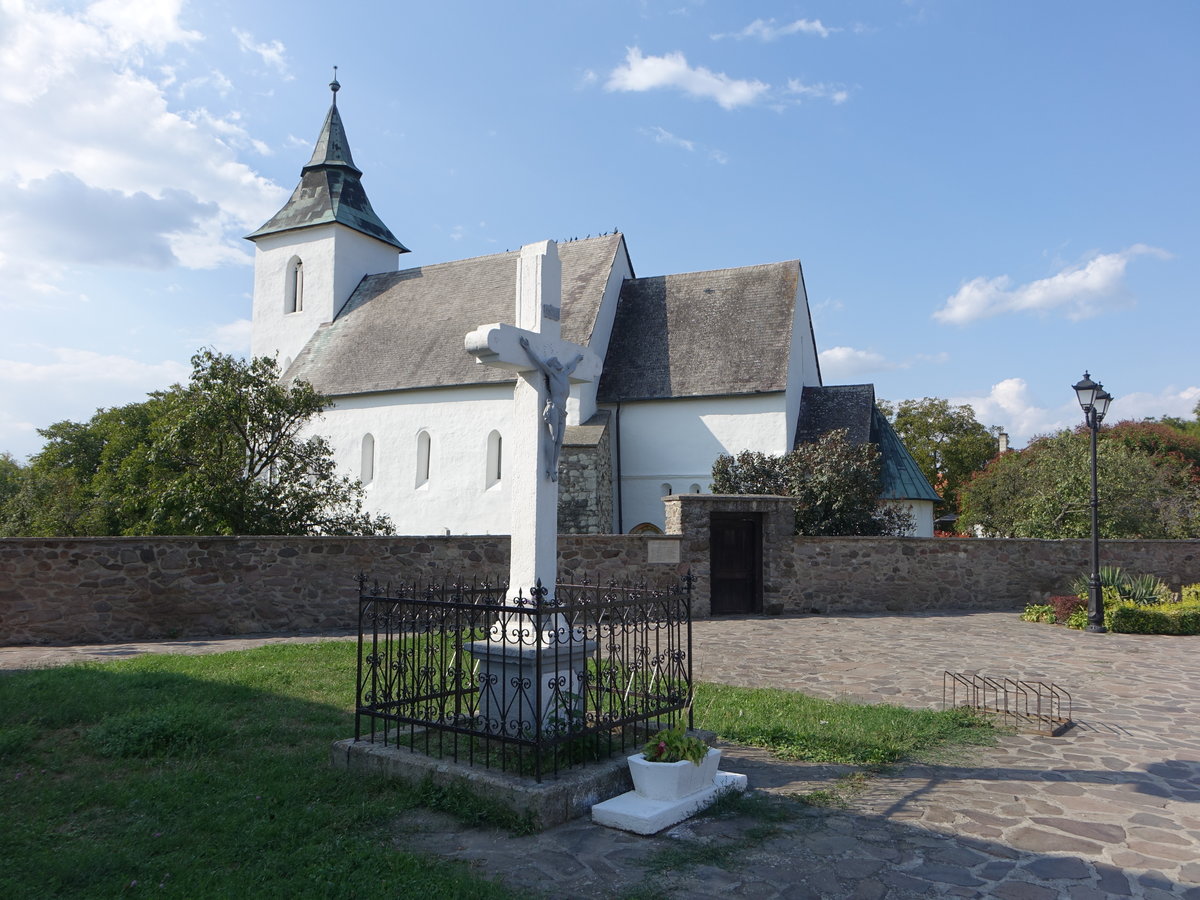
521	687
633	812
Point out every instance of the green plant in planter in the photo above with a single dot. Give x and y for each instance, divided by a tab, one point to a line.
675	744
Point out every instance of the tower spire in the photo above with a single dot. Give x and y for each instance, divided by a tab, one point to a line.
329	188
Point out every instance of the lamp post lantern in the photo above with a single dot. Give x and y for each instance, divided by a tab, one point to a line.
1094	400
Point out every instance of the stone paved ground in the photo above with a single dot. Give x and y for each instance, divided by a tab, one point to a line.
1109	809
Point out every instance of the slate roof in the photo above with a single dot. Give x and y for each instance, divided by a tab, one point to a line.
825	409
727	331
405	330
852	406
330	190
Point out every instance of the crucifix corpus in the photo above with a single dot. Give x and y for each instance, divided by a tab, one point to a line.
546	366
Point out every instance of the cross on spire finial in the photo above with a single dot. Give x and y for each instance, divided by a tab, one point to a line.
334	86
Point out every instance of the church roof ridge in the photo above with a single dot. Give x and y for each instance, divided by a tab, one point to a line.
709	273
449	263
330	190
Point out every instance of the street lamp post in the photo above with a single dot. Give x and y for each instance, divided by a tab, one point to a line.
1094	400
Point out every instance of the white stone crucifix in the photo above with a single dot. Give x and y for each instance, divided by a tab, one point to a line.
529	642
546	365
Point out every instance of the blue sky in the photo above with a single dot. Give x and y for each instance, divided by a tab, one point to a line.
987	198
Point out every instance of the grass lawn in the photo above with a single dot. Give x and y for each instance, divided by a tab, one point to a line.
208	776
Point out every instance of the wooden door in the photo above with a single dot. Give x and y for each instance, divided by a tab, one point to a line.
735	545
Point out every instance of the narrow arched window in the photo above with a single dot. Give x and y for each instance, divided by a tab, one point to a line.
293	289
366	472
495	459
666	490
695	488
423	454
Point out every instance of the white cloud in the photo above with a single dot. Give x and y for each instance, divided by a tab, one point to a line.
95	225
272	53
86	89
769	30
1171	401
842	363
233	337
141	24
73	384
662	136
1078	291
1010	405
68	365
836	93
671	71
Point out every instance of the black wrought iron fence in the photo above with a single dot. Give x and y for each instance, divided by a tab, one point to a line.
531	684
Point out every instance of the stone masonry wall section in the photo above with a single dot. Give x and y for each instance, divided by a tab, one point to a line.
99	590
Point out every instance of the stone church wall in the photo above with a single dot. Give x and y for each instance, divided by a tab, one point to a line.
585	486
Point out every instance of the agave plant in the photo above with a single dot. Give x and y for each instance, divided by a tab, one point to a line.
1110	576
1139	589
1144	589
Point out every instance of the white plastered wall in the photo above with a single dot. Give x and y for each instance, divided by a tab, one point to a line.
676	441
803	370
581	405
459	420
922	513
336	259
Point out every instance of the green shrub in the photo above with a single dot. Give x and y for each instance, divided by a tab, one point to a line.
1078	618
1064	605
1159	618
1190	593
1038	612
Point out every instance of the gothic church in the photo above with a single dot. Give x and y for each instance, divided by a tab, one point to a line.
694	365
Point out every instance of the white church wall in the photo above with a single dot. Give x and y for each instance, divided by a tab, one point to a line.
922	513
803	368
459	494
582	404
675	442
335	259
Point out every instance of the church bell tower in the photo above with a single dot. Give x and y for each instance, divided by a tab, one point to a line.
312	253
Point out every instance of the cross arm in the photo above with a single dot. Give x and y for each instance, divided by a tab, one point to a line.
499	345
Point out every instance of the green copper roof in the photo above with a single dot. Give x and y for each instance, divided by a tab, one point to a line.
330	190
901	476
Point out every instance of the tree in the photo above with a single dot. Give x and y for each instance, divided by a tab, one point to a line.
222	455
1044	491
834	482
947	442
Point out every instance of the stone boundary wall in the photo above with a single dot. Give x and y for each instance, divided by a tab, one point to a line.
833	575
884	574
102	590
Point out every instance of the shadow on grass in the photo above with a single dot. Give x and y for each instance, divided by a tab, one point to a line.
204	776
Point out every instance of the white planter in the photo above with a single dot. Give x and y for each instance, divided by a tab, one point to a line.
672	781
